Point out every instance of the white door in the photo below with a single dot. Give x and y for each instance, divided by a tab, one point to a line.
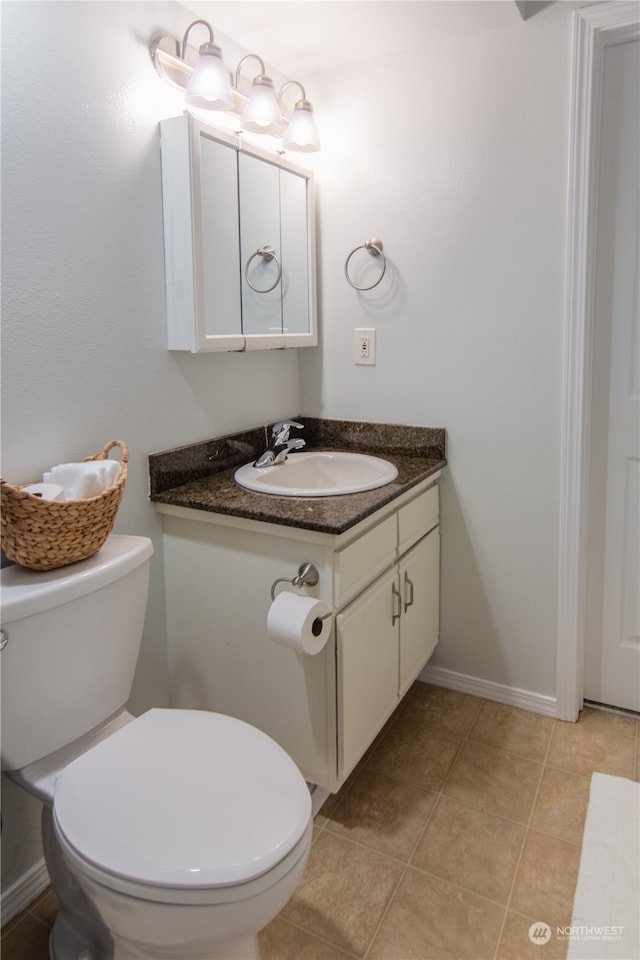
612	629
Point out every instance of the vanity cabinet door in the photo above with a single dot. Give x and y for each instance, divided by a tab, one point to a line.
385	635
419	622
367	667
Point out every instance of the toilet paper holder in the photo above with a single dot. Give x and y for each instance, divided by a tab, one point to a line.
307	576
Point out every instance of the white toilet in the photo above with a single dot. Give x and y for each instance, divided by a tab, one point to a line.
177	834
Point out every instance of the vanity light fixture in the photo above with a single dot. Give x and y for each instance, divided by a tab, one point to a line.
207	85
301	133
261	112
207	82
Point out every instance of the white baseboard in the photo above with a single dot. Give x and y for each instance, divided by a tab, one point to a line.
489	690
24	891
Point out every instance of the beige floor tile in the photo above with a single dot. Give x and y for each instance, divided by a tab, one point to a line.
412	753
430	919
445	712
282	941
604	719
332	802
546	879
515	943
436	912
46	907
323	813
513	730
599	742
561	804
26	940
499	783
470	848
385	814
343	893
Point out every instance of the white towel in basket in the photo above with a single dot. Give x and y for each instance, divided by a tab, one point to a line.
83	480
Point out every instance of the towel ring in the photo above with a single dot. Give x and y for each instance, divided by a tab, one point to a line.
268	254
374	247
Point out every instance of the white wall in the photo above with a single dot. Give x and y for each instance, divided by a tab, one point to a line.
457	159
83	316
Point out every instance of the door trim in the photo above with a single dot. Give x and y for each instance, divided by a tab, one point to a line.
594	29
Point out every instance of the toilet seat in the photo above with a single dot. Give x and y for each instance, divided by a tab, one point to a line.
180	804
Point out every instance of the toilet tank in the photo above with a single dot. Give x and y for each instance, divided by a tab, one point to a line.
72	642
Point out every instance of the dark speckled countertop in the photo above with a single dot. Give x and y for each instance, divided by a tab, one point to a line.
200	475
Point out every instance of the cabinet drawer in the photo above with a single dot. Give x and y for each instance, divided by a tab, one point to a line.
361	561
417	518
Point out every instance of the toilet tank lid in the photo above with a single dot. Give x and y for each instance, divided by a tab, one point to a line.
24	593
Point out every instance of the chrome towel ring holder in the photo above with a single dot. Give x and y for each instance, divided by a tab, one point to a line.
267	253
307	576
373	247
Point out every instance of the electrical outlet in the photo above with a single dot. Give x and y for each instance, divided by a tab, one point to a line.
364	346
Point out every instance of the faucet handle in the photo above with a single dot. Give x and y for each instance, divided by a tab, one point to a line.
280	430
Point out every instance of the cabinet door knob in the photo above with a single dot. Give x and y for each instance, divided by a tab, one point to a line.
395	595
408	584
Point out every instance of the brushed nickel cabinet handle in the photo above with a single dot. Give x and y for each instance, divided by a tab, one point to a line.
408	584
395	594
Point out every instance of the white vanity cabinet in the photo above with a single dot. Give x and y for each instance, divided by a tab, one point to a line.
381	580
239	243
386	635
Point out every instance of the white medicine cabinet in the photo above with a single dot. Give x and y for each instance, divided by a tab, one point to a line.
239	239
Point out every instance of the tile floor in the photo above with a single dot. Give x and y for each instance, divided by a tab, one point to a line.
460	828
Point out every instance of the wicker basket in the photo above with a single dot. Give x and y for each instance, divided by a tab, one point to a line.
46	534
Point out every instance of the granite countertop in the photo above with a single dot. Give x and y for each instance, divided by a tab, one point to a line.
200	475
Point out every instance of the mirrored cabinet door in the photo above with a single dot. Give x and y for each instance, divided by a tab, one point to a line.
296	283
217	274
260	248
239	231
201	231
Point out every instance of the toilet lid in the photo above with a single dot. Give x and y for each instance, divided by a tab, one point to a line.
183	798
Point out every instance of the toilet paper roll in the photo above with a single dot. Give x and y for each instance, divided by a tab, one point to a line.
303	623
48	491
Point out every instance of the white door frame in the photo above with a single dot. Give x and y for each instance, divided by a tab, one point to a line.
594	29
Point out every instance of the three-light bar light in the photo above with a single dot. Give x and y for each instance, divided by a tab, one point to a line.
207	85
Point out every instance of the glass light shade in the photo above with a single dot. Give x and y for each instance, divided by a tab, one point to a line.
209	86
261	113
301	133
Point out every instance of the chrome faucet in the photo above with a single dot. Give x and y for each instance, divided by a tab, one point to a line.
280	445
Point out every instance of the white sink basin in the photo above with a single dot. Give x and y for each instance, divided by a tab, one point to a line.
318	474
